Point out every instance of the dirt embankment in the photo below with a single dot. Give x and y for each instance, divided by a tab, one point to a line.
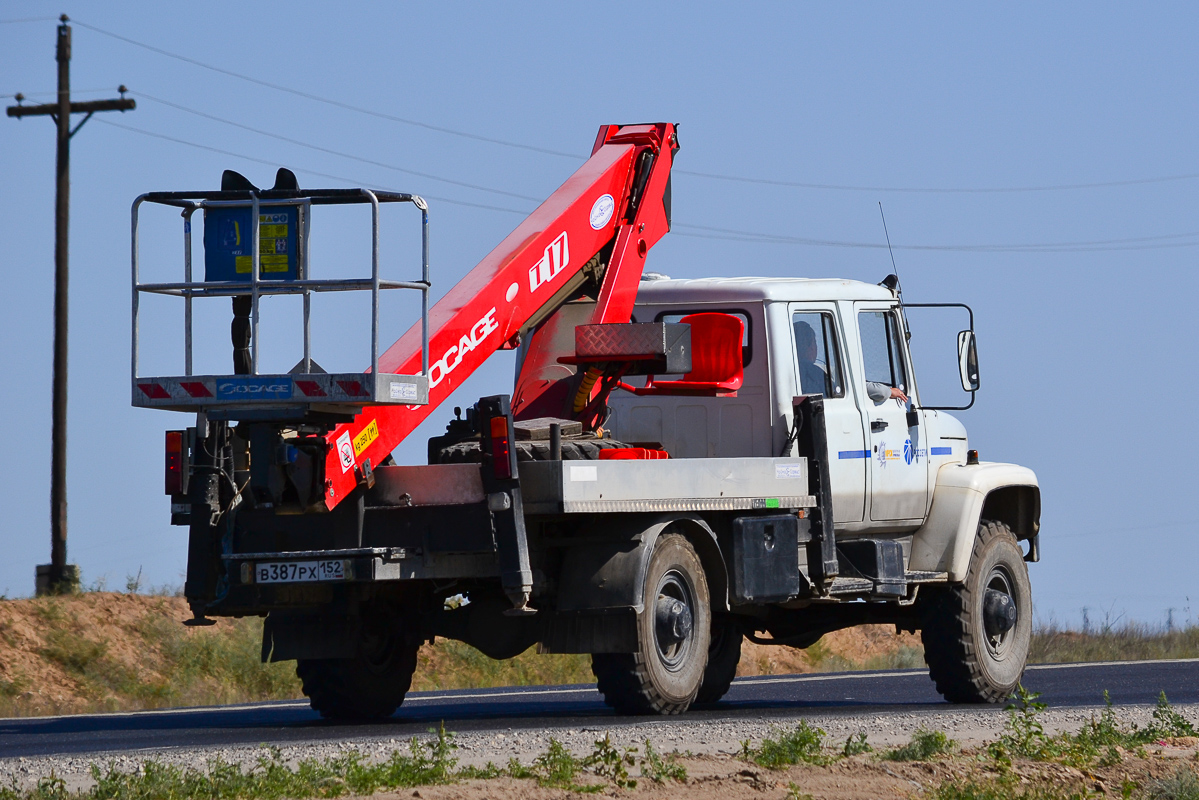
104	651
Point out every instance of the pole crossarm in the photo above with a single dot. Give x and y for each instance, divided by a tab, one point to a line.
86	107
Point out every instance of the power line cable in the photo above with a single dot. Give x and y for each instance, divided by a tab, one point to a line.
329	101
1135	243
710	232
330	151
275	163
935	190
27	19
692	173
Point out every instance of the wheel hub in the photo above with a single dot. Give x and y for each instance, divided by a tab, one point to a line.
999	612
674	621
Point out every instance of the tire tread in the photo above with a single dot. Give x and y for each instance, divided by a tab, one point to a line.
948	638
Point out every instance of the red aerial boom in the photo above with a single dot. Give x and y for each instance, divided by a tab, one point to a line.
597	226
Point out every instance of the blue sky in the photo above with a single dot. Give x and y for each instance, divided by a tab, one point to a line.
1086	349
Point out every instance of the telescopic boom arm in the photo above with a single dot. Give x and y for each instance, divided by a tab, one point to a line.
598	225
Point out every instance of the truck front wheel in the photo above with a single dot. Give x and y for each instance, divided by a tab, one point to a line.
673	635
977	633
372	684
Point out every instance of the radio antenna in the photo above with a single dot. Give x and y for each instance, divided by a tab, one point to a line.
888	235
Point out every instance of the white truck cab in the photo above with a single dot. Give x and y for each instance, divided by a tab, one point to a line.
897	470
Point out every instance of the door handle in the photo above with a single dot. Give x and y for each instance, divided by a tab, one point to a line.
878	425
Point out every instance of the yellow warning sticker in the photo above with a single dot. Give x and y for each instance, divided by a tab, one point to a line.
272	231
364	439
244	264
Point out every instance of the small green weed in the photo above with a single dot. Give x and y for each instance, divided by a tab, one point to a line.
1024	735
1167	723
424	764
661	769
520	771
608	762
924	745
556	767
802	745
795	793
856	744
1097	743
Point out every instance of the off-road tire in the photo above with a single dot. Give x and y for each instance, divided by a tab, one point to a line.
658	678
967	665
724	653
572	450
371	685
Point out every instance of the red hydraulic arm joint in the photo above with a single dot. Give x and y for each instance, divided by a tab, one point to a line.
615	197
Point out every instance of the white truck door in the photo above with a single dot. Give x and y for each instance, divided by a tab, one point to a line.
898	462
819	369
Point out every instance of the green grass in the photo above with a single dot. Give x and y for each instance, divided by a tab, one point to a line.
856	744
217	666
1001	789
804	744
179	667
924	746
424	764
1098	743
427	763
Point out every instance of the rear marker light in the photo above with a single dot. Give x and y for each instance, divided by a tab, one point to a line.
174	462
500	449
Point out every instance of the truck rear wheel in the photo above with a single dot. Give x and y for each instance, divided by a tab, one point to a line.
977	633
724	654
372	684
673	633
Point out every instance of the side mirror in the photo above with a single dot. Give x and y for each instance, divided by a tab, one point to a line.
968	361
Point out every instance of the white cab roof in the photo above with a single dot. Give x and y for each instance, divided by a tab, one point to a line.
748	290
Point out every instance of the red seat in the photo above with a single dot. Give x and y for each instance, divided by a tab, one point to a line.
716	368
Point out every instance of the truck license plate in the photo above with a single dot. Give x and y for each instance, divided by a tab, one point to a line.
299	571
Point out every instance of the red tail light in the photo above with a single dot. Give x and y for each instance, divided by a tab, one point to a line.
174	474
501	451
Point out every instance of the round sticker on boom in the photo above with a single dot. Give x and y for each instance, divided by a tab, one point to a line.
602	210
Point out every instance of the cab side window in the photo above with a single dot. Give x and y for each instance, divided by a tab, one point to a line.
818	358
882	356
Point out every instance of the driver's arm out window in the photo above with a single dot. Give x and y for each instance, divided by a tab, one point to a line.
818	358
882	358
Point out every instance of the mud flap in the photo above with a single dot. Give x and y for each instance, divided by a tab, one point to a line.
288	635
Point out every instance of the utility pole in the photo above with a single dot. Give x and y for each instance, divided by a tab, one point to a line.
58	576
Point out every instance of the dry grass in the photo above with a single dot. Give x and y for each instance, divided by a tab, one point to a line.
104	651
1131	642
109	652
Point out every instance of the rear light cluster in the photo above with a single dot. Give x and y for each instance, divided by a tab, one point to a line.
176	462
501	448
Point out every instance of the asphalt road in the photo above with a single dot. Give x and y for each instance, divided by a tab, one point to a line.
527	708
